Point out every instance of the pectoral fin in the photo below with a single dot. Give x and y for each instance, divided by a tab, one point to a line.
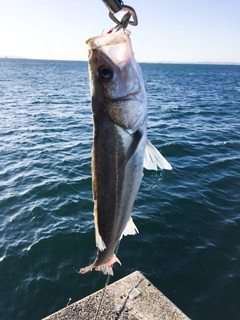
153	159
136	137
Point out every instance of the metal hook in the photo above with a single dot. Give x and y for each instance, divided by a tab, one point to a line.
115	6
125	19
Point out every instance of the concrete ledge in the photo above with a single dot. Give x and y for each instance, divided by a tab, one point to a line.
131	298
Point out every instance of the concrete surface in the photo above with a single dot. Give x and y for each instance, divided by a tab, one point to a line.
130	298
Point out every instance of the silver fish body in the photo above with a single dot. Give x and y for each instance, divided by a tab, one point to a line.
119	106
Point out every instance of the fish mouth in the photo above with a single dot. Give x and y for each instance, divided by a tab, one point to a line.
131	96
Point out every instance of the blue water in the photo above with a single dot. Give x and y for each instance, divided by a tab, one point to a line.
188	218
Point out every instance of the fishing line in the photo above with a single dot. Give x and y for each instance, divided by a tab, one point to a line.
104	289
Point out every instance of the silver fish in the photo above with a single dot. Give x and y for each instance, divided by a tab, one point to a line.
120	148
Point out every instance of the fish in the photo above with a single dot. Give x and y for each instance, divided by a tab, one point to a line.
120	146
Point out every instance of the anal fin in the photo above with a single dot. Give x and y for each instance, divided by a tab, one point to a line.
99	242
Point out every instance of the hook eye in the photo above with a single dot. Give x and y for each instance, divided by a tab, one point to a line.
104	73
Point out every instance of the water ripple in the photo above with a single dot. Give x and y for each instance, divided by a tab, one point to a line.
188	218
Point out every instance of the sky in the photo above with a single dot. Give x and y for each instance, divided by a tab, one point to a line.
168	31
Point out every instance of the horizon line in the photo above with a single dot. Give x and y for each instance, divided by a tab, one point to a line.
156	62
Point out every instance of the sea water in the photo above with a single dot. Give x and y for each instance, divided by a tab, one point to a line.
188	218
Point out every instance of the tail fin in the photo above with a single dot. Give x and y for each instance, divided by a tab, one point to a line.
85	270
106	268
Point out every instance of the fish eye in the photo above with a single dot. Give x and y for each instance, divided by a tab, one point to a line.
104	73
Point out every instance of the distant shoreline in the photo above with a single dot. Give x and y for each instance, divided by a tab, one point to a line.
145	62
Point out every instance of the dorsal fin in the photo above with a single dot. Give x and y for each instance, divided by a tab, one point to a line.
153	159
130	229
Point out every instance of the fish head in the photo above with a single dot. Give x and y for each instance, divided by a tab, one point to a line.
116	81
